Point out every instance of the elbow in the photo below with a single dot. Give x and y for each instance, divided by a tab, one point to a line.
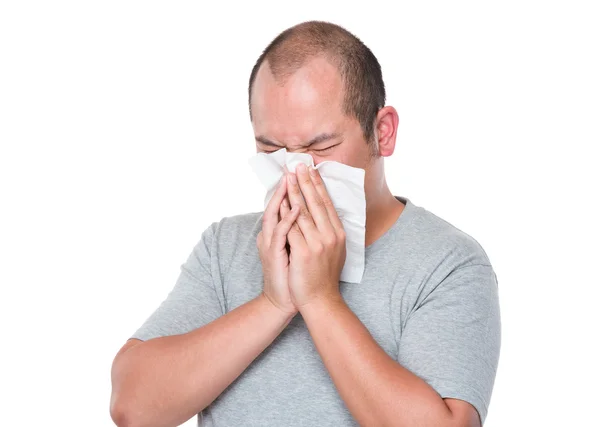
121	413
125	409
124	414
124	406
120	417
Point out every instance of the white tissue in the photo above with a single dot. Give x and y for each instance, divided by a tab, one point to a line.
345	185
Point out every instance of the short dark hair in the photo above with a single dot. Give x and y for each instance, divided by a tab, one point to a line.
364	90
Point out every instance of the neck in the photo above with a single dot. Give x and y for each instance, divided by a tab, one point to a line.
383	209
382	213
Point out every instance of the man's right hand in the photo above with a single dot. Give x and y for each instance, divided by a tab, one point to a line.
186	372
271	242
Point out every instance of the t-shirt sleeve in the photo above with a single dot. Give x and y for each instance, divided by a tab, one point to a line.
451	339
193	302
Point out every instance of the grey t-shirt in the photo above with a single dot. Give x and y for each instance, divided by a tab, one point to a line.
428	296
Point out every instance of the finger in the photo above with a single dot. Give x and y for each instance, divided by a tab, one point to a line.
327	202
296	238
270	218
305	220
313	199
283	211
283	228
284	208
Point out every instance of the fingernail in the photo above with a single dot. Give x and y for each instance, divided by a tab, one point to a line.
292	178
313	171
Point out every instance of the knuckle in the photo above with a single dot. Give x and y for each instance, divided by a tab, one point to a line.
305	180
330	240
294	189
304	212
319	202
319	248
327	202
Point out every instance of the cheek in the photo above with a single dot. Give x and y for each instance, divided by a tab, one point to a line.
334	157
357	156
349	159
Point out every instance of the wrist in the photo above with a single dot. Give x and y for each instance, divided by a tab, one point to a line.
285	315
323	304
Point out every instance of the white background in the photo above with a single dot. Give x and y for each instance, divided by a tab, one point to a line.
124	133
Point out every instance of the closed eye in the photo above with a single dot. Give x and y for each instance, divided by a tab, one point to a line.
319	150
324	150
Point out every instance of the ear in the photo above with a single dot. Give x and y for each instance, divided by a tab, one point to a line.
386	127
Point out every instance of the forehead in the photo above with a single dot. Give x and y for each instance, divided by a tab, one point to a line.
306	102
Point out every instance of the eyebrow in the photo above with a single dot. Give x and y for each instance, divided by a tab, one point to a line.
319	138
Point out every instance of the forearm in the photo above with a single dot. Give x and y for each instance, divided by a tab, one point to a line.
377	390
165	381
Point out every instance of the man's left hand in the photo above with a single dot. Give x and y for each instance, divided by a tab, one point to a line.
317	240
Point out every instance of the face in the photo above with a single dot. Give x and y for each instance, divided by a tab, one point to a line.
304	115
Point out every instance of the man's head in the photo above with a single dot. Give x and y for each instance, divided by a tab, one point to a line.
318	89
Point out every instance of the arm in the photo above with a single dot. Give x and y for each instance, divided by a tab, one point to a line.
448	347
192	350
167	380
377	390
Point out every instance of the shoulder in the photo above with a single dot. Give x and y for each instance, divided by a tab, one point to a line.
233	238
242	226
228	240
232	228
453	269
442	246
445	242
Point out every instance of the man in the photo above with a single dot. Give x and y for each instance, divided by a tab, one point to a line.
252	336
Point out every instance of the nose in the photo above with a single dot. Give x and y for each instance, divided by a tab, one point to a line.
294	159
